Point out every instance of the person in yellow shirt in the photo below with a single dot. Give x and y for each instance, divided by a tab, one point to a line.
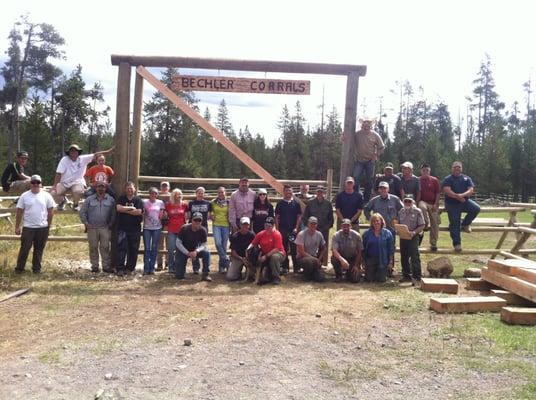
221	228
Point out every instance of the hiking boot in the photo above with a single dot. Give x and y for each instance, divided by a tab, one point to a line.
121	273
19	271
466	229
433	247
95	270
338	279
36	271
206	278
458	248
196	272
405	279
76	207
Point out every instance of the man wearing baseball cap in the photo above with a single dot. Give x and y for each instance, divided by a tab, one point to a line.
322	209
192	244
458	189
392	179
347	251
36	208
240	241
368	148
70	175
14	180
311	246
349	203
412	217
98	216
410	183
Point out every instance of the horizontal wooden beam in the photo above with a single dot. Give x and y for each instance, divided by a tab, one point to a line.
239	65
222	181
519	315
467	304
513	284
524	205
50	238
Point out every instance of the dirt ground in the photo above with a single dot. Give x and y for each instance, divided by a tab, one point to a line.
81	336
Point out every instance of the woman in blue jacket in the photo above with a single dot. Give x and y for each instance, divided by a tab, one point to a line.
379	249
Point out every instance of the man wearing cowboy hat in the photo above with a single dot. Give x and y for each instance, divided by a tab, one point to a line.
368	148
70	175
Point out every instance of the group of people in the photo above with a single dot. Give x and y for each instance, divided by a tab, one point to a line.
265	240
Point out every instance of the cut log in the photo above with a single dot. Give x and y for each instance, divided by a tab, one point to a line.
518	315
513	284
510	267
437	285
511	298
467	304
478	284
15	294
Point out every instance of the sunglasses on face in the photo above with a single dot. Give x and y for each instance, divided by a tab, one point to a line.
35	182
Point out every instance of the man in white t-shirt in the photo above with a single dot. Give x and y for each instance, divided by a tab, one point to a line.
70	175
35	207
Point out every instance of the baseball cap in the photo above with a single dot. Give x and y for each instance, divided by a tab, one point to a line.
164	183
383	184
35	178
321	189
197	216
407	164
244	178
456	164
389	165
346	221
349	179
262	191
312	220
244	220
269	221
22	153
409	197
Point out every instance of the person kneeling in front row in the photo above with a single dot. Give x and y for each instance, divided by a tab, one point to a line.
192	244
347	249
240	241
311	247
272	253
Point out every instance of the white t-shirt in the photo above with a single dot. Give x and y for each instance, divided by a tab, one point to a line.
72	172
35	206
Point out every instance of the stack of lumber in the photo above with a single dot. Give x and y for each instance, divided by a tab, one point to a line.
517	278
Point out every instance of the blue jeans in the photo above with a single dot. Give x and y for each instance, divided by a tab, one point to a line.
221	238
365	168
172	251
182	259
455	213
150	243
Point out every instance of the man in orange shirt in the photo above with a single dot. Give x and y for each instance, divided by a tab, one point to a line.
99	173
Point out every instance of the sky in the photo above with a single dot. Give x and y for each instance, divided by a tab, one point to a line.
436	45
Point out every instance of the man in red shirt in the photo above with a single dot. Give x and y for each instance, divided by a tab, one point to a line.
272	253
429	203
99	173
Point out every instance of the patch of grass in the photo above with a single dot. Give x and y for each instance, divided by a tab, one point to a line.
50	357
405	301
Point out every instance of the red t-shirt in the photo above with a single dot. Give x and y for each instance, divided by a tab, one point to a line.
429	188
177	216
268	242
99	174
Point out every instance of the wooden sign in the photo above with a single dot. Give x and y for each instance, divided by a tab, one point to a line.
242	85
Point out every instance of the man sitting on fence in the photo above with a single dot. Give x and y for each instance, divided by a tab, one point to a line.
14	180
458	189
70	175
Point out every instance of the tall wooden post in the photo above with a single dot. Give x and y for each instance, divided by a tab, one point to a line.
122	130
135	141
350	113
329	181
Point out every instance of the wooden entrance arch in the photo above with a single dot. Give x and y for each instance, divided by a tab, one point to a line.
127	154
